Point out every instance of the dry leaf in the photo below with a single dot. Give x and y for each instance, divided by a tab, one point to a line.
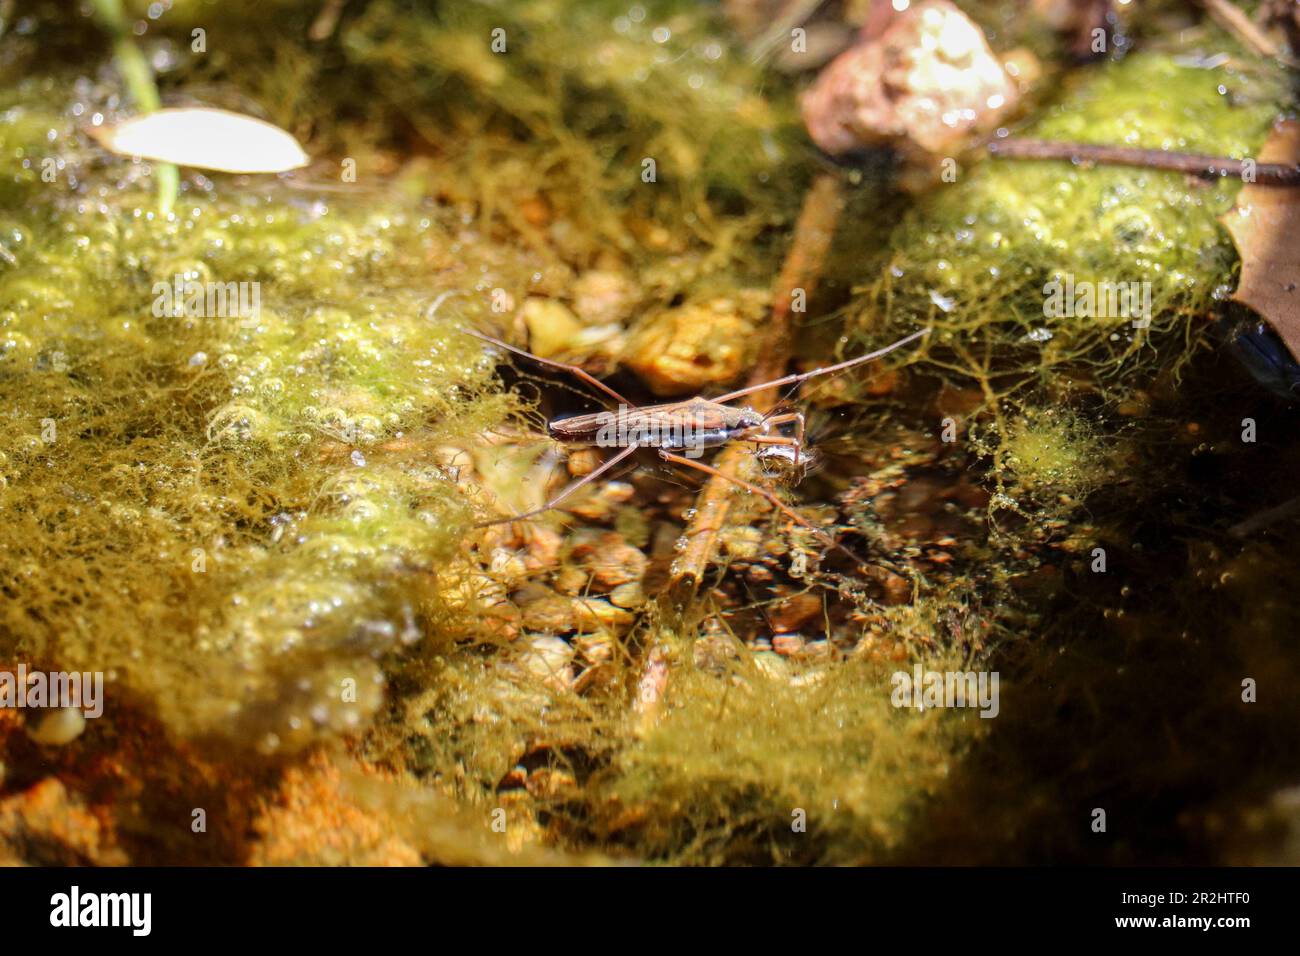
1265	227
206	139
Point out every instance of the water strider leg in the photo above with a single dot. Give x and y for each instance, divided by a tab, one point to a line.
800	425
565	493
796	417
777	440
771	499
572	369
783	440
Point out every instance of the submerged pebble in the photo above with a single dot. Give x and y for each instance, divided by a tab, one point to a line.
57	728
688	348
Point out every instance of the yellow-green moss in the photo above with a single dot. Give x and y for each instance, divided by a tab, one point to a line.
776	763
1052	451
238	519
231	515
655	81
973	257
245	522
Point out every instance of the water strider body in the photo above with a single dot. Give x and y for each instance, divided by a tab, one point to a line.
690	427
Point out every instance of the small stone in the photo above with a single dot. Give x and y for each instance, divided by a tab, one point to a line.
795	611
548	783
595	648
58	727
787	645
604	297
507	565
558	614
552	613
924	86
696	345
548	659
772	665
611	560
628	595
597	677
543	547
714	652
818	650
742	541
552	328
602	504
583	461
571	580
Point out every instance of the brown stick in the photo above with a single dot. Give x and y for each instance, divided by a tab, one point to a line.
326	21
1235	21
1266	174
812	238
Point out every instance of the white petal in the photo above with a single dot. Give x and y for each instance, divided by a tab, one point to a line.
205	138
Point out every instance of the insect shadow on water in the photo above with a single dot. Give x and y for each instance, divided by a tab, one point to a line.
690	427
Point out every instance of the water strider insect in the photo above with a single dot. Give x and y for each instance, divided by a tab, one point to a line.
690	427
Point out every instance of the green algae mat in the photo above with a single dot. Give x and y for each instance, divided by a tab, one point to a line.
247	453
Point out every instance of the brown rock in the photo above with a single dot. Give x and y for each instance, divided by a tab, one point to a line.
696	345
315	821
611	561
925	85
794	611
603	297
47	826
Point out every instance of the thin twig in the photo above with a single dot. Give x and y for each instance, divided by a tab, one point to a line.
322	28
1235	21
1260	521
1265	174
795	13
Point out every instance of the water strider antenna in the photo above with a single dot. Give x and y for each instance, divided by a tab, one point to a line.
804	376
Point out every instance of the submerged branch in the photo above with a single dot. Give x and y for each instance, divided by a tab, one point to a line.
1233	19
812	238
1266	174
